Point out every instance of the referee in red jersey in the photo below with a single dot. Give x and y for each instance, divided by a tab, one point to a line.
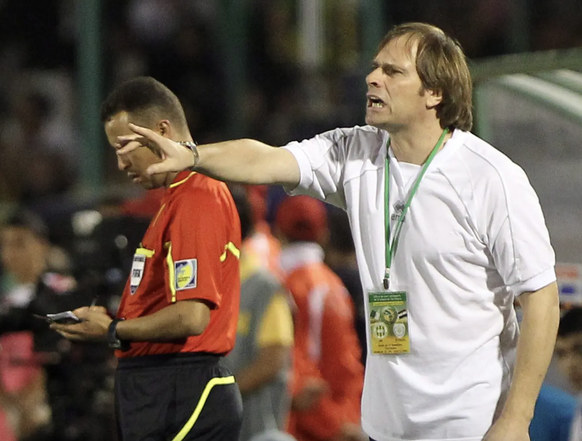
179	310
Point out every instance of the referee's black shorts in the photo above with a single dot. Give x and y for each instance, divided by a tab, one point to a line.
176	397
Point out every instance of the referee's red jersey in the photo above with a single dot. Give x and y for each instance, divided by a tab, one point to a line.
190	251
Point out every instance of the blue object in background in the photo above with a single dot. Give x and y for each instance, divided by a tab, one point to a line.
553	415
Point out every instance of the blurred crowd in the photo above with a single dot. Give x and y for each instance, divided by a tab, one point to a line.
180	43
60	251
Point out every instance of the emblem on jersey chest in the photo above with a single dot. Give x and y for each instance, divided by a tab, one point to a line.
398	207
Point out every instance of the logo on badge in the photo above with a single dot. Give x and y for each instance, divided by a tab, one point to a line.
186	274
389	314
399	330
380	330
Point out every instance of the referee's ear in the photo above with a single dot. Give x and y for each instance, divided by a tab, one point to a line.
164	127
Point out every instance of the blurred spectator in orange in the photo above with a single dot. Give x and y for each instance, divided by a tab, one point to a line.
340	256
326	344
261	358
261	243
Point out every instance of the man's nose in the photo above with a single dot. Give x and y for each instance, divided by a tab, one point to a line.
373	78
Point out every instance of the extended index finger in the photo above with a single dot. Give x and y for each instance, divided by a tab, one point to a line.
153	139
128	143
142	137
81	310
146	133
72	329
69	336
99	309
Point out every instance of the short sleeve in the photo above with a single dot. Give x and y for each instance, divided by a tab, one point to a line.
517	235
321	160
197	239
276	327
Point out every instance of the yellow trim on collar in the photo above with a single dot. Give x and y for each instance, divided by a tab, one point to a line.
175	184
145	252
158	214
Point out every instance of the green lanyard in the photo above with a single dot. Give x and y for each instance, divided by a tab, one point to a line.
391	246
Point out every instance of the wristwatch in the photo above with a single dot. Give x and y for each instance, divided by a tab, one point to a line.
113	340
194	149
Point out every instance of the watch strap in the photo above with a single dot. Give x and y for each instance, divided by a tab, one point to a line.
113	340
193	147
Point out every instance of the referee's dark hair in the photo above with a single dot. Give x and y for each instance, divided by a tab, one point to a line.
147	100
571	322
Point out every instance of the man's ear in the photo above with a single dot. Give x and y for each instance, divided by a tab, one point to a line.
433	98
165	128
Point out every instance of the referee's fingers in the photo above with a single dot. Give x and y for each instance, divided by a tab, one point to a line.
128	143
146	133
100	309
72	328
167	165
69	336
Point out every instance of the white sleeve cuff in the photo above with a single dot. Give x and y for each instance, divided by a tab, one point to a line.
305	174
535	283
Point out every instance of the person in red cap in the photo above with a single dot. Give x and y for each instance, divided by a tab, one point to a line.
326	344
262	244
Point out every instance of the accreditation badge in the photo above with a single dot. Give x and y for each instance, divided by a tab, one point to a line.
388	322
137	269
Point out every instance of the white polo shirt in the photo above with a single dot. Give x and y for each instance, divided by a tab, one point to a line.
473	238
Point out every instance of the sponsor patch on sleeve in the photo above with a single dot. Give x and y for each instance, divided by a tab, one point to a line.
186	274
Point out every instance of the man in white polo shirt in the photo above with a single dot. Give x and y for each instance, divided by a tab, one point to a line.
447	230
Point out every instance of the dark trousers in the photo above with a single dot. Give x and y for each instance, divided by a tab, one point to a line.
177	397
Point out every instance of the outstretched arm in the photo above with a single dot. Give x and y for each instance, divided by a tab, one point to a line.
244	161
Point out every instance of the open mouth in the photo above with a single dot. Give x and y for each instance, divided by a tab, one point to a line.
375	102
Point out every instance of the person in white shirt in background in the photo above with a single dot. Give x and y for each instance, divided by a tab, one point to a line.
448	231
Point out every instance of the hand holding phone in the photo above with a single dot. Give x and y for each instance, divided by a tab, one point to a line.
63	318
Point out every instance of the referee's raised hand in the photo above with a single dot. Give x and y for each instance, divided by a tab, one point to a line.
175	157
